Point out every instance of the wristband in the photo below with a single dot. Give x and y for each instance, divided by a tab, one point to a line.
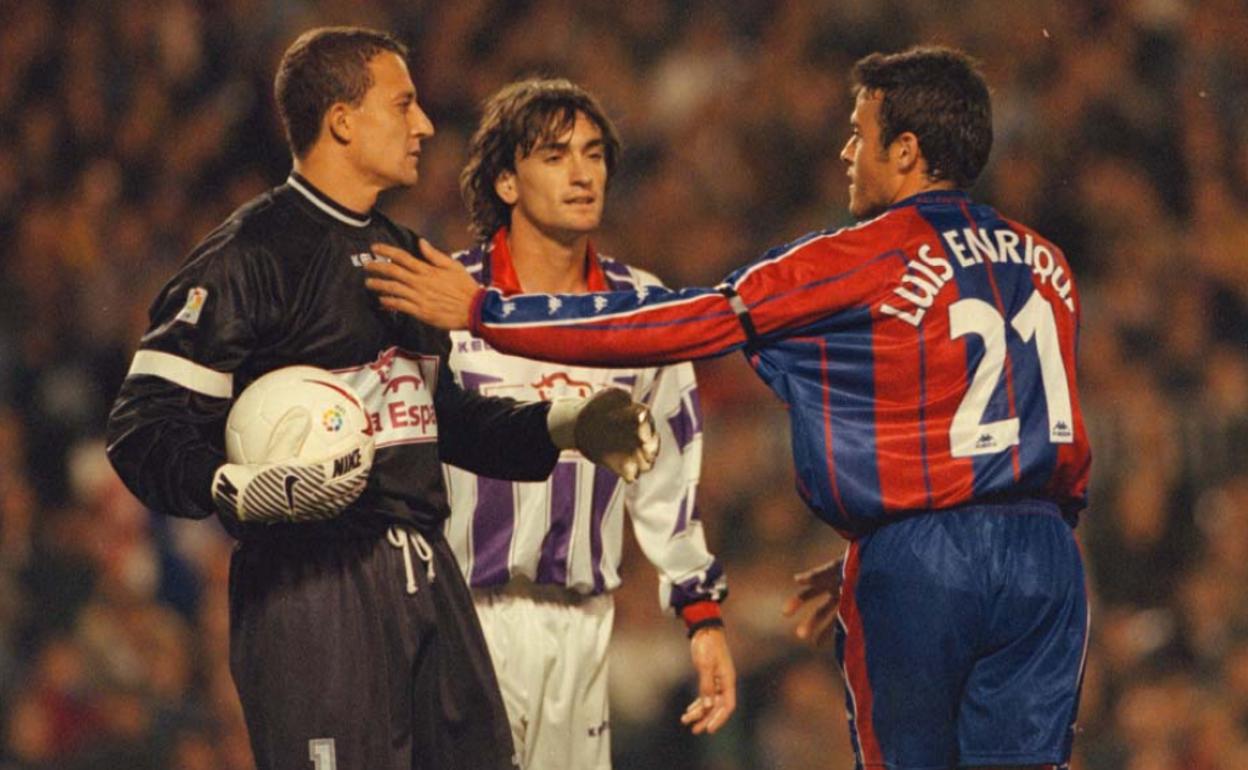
701	614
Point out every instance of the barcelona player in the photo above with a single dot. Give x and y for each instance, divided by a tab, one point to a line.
927	355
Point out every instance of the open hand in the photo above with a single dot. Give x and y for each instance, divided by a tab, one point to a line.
436	289
821	586
717	682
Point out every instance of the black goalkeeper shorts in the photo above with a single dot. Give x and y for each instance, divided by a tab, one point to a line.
347	656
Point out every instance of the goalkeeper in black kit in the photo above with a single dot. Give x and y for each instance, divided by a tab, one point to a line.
353	639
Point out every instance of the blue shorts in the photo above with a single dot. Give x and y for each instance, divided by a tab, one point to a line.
961	635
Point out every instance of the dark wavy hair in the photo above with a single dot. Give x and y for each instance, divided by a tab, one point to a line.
939	95
515	120
322	67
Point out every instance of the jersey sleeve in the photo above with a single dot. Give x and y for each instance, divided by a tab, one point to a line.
647	327
491	436
787	288
662	503
165	433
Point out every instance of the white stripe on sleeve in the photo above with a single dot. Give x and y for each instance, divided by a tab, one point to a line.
184	372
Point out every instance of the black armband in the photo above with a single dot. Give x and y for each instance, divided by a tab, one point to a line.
743	314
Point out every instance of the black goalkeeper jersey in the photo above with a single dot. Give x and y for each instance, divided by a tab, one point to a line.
280	283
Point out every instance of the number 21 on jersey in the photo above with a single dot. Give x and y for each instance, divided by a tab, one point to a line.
969	435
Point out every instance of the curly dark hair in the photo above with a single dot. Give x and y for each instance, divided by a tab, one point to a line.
322	67
515	120
939	95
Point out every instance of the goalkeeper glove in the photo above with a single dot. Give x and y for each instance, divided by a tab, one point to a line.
609	428
284	487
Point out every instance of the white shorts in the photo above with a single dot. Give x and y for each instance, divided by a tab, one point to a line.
549	647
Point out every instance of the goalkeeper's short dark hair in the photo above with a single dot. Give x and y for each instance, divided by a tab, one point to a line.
322	67
514	121
939	95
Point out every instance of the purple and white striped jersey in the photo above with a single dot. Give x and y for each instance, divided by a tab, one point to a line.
568	530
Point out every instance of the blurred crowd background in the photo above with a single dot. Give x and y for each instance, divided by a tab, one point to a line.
128	129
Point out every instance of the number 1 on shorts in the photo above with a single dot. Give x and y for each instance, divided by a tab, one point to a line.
323	754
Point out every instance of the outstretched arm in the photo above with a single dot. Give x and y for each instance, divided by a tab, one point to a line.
652	325
791	287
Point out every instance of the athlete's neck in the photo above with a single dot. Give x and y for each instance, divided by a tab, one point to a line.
547	264
914	184
338	180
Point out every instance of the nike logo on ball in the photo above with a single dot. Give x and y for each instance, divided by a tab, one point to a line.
291	481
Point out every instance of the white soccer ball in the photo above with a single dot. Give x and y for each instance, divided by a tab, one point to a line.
336	412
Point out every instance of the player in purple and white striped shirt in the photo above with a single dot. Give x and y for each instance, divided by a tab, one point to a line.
543	557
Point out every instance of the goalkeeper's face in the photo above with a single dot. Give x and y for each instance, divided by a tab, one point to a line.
389	126
559	188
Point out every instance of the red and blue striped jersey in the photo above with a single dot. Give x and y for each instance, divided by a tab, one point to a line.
927	356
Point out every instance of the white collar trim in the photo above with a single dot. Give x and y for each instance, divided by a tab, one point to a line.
333	211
